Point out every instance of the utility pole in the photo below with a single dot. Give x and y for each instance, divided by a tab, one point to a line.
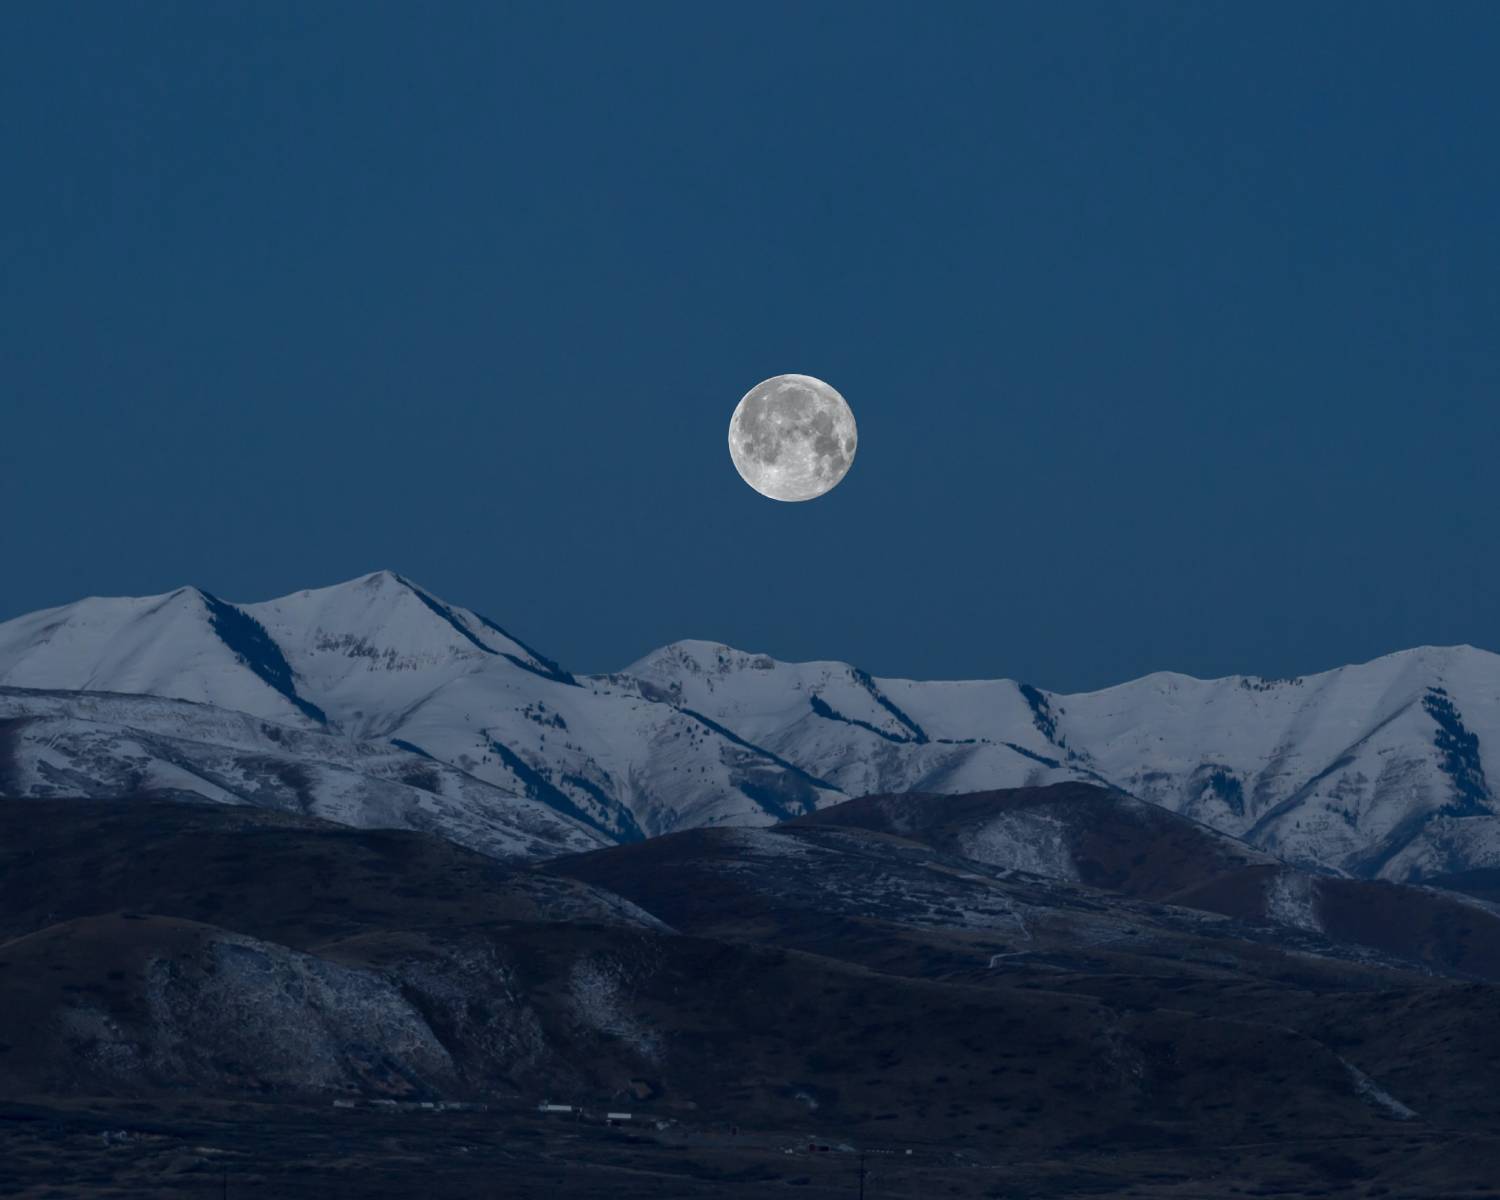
862	1173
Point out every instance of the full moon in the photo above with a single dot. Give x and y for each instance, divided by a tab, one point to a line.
792	437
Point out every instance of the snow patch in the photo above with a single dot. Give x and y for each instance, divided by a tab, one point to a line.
1034	842
1291	899
597	989
1372	1093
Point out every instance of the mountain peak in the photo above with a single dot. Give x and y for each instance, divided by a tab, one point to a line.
186	644
383	580
700	657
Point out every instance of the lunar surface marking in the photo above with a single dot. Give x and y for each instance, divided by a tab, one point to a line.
792	437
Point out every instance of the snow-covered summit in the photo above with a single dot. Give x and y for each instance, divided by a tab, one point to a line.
372	647
187	644
391	624
1376	768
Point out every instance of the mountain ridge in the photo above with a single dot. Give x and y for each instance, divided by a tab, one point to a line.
1375	769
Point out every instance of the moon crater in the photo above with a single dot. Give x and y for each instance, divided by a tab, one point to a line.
792	437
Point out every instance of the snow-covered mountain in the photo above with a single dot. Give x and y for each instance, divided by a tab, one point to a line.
1376	769
376	702
101	744
376	662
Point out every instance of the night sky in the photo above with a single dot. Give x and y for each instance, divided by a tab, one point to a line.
1171	329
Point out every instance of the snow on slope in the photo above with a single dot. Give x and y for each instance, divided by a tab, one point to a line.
862	734
381	659
1376	769
1371	767
60	743
384	658
187	645
373	648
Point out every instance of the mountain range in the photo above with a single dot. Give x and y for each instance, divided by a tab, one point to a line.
375	703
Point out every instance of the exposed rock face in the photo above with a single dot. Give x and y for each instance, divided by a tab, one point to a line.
262	1016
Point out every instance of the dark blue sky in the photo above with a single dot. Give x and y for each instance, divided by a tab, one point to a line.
1171	329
